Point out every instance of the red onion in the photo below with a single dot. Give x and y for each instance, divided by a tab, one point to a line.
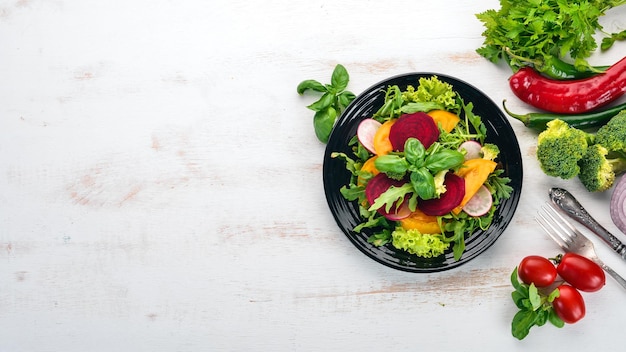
618	204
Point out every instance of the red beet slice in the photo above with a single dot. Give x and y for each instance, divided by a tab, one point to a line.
377	186
450	199
418	125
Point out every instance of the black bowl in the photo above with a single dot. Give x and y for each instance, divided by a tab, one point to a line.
346	213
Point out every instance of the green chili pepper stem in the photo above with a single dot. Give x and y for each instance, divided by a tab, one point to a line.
556	68
538	120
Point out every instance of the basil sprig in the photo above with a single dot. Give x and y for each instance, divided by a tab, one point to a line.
334	99
421	164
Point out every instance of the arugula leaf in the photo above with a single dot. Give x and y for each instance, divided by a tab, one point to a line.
392	196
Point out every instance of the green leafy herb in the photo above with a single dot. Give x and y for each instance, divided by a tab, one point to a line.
431	94
537	32
608	42
334	99
535	307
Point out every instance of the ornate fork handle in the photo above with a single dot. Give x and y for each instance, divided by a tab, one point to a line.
574	209
611	272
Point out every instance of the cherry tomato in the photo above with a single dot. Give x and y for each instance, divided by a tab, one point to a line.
569	306
581	272
537	270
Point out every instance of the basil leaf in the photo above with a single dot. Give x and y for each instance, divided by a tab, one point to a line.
555	320
310	84
414	152
324	102
345	98
533	296
391	164
443	160
522	322
424	183
339	78
518	299
323	123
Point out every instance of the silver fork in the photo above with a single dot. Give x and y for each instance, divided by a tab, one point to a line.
570	239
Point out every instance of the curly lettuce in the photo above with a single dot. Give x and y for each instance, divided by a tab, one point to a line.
414	242
432	90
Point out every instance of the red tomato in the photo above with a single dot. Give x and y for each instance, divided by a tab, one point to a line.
537	270
569	306
581	272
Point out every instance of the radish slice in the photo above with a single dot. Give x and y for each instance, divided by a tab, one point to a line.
480	203
472	149
618	205
365	133
402	212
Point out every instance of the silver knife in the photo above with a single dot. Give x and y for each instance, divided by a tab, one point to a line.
566	201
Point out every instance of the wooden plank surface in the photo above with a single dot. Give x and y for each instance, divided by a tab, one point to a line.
161	183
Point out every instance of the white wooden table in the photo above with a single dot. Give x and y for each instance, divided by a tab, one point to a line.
161	183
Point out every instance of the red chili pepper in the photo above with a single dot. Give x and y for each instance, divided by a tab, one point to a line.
570	96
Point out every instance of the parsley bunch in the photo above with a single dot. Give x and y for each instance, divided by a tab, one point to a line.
540	32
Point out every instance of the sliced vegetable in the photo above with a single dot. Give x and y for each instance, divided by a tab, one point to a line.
378	185
382	144
455	191
618	205
366	132
421	222
472	149
446	119
475	172
417	125
368	166
480	203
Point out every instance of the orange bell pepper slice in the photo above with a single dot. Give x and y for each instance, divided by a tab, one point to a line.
447	120
475	172
369	166
382	144
425	224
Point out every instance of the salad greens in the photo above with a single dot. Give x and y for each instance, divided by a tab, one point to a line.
424	169
333	100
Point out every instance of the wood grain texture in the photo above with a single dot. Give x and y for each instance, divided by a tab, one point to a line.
161	184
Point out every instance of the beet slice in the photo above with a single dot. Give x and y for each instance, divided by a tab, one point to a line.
377	186
450	199
417	125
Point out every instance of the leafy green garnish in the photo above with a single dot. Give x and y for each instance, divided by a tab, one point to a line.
431	94
535	307
333	100
537	31
414	242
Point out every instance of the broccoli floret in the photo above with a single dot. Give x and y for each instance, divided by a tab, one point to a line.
560	147
597	172
613	135
490	151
